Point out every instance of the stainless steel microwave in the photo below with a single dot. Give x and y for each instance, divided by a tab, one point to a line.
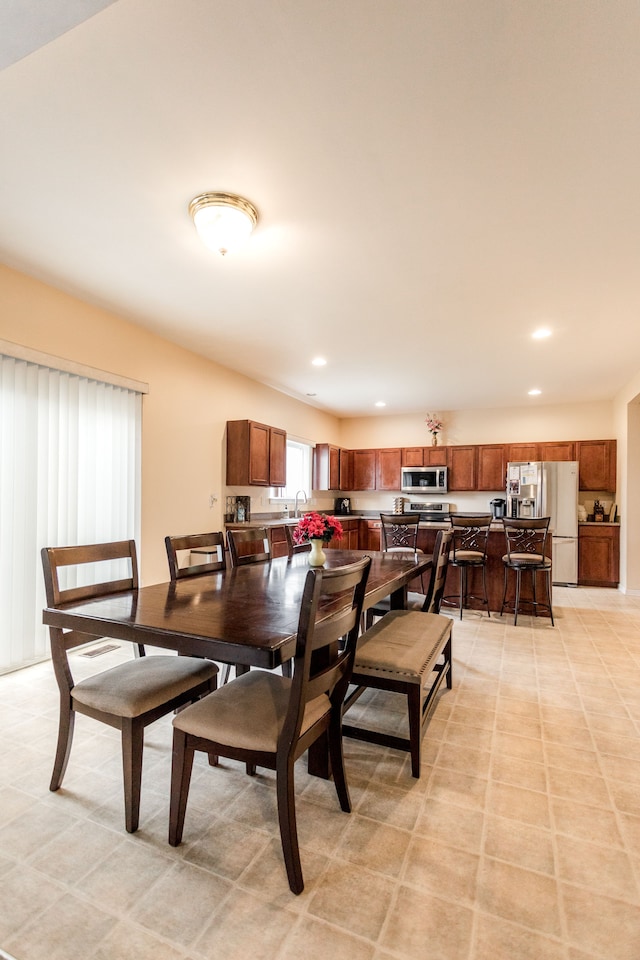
424	479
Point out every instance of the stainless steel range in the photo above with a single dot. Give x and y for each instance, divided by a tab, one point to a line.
430	511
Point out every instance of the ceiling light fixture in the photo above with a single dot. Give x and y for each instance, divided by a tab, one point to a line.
222	220
535	392
319	362
380	403
541	334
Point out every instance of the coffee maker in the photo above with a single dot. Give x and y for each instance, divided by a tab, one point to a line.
498	508
342	506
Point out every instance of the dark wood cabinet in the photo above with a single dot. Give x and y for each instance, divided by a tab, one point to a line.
435	456
256	454
346	469
463	467
350	536
562	450
413	456
597	460
370	535
526	452
598	555
492	467
364	469
326	467
388	463
278	540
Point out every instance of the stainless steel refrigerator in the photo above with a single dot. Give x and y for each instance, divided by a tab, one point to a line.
540	489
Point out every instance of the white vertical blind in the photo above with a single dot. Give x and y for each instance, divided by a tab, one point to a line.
69	474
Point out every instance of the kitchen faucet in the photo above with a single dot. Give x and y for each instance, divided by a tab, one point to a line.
296	508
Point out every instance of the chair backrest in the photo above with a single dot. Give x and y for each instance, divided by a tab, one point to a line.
249	545
527	536
470	532
439	566
329	622
292	546
205	544
399	531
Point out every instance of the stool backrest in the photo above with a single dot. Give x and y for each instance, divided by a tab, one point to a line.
470	532
527	536
399	531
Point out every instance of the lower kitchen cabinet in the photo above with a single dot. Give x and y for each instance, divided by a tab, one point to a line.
370	534
278	539
598	554
351	536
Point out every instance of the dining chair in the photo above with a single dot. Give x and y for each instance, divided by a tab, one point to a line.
249	545
527	545
266	720
129	696
407	652
203	545
292	546
469	552
415	601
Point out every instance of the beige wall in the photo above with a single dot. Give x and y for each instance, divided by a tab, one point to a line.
184	414
627	419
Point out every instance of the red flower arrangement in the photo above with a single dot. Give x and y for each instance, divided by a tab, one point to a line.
317	526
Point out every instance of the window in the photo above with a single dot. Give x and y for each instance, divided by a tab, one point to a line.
298	471
69	474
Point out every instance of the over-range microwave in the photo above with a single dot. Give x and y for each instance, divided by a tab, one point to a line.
424	479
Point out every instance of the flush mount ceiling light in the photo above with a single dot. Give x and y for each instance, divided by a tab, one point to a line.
541	334
535	392
222	220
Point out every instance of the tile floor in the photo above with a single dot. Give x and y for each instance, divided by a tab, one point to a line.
521	840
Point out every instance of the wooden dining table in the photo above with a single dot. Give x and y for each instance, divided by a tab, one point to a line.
247	615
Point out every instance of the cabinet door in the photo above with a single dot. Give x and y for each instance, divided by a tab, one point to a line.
326	467
278	539
435	456
364	470
370	535
388	462
491	467
412	456
563	450
598	555
277	457
462	463
597	464
259	465
524	451
346	470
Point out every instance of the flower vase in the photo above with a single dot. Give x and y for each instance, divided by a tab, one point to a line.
434	440
317	556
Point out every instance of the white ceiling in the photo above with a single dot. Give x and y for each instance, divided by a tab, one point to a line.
435	179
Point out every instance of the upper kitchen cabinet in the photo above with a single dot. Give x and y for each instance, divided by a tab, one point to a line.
597	460
256	454
492	467
413	456
562	450
364	469
435	456
527	452
326	467
346	469
388	463
463	468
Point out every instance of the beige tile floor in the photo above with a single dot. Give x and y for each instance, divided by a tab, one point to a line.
521	840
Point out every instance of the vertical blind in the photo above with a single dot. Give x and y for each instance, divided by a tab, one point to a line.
69	474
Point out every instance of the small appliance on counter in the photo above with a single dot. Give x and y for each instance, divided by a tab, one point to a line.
237	510
342	506
498	508
431	511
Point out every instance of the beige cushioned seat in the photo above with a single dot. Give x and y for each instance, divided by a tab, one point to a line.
403	645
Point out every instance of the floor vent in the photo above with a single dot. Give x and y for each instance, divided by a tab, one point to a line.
97	652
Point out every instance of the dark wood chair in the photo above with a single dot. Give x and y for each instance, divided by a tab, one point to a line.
292	546
249	545
415	601
407	652
469	552
268	720
200	544
129	696
527	545
399	532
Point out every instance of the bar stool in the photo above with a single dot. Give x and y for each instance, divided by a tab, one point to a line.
526	551
469	551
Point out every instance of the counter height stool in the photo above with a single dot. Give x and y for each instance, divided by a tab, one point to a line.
469	551
527	551
399	534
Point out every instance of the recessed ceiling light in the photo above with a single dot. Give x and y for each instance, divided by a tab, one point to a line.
535	392
380	403
312	394
319	362
541	334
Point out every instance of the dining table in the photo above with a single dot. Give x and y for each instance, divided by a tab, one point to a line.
246	615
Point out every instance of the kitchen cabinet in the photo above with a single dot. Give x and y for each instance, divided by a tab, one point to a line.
388	463
413	456
326	467
346	469
370	535
597	459
463	467
350	536
364	469
598	554
256	454
563	450
278	540
526	452
435	456
492	467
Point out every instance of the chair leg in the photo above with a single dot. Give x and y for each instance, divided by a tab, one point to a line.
336	755
287	822
414	705
463	587
63	749
504	590
181	767
518	578
484	588
132	743
549	588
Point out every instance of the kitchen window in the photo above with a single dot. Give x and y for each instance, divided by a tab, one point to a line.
299	458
